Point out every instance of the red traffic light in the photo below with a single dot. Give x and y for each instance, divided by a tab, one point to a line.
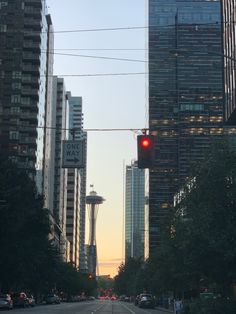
145	142
146	151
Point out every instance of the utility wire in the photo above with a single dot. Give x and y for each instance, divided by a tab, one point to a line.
74	129
99	49
140	27
95	57
217	23
96	74
100	29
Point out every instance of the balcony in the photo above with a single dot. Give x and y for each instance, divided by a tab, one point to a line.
29	116
35	35
33	11
30	80
29	91
32	45
31	57
34	3
30	68
32	23
27	140
29	129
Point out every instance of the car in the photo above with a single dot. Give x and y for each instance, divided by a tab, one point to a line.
6	301
52	299
136	300
31	300
20	299
146	300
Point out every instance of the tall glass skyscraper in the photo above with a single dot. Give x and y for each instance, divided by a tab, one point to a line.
134	212
185	95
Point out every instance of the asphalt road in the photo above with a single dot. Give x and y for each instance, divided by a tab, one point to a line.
91	307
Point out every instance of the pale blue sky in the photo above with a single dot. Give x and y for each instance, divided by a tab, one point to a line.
108	102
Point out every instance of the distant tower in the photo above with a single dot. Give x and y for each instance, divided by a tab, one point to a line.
93	201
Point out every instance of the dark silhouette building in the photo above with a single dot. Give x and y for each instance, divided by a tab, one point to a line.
229	50
186	95
23	65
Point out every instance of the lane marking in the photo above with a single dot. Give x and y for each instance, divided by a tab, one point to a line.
145	311
94	311
128	309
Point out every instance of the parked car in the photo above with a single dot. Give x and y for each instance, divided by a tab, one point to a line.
6	301
146	300
52	299
31	300
20	299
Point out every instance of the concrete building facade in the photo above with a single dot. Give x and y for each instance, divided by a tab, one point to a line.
76	185
60	122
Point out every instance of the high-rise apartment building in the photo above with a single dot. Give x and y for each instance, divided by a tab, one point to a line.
61	125
60	121
76	187
23	63
185	95
134	212
49	132
229	50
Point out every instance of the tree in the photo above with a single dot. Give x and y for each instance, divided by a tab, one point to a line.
129	277
27	257
198	247
206	227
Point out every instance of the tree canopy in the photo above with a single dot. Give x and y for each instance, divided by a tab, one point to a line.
198	247
29	261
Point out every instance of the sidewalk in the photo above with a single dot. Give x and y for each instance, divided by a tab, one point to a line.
163	309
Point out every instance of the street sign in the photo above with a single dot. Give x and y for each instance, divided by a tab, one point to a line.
73	155
206	295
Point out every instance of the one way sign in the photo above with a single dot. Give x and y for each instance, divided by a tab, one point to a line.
73	154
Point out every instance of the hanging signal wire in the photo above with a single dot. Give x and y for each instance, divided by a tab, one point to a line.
95	57
139	27
76	129
217	23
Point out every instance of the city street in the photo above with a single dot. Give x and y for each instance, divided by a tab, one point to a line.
98	307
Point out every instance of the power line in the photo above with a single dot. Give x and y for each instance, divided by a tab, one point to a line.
218	23
100	49
74	129
98	74
95	57
100	29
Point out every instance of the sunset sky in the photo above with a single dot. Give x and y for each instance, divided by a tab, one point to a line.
109	102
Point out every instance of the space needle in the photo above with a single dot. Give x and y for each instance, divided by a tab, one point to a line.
93	201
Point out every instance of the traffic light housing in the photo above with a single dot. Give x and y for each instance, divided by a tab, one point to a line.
146	152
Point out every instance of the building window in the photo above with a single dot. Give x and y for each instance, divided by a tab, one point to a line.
15	109
15	99
3	28
16	85
16	74
14	135
3	4
25	101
